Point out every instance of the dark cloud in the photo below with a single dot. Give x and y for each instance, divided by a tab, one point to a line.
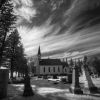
53	52
65	13
85	13
45	9
78	13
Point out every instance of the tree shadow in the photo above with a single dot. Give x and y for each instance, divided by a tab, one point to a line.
34	97
56	98
94	93
46	83
15	92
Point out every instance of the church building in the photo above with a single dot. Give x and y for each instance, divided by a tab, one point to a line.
49	66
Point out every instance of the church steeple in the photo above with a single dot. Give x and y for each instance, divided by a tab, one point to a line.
39	53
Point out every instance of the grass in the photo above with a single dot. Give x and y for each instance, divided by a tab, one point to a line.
45	90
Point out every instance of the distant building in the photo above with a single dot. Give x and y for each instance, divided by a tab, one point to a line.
49	66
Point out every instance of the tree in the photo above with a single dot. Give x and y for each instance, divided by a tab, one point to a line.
22	61
13	43
15	53
2	2
79	66
7	21
71	63
96	64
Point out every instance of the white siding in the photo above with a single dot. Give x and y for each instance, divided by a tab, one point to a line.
60	71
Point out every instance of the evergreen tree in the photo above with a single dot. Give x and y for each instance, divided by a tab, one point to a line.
71	63
79	66
13	43
22	61
16	53
2	2
7	21
67	62
96	64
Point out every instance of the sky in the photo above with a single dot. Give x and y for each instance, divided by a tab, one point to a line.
62	28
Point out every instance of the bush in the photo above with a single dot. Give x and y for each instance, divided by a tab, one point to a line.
16	81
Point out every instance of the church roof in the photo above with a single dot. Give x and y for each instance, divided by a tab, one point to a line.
64	63
50	62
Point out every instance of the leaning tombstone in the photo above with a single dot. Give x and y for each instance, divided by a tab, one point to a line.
89	87
4	76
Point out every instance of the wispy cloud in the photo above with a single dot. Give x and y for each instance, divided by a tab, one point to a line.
25	10
60	30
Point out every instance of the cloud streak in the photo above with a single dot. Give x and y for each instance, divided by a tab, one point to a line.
62	28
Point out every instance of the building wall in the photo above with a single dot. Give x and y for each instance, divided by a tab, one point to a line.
55	69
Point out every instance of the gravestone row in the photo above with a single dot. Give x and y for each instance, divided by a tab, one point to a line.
74	88
88	87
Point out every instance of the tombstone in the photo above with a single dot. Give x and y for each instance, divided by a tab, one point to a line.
69	77
54	76
45	77
4	76
89	87
75	86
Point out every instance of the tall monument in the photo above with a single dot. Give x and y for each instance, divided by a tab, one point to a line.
75	86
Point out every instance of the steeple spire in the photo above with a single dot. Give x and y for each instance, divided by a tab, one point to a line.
39	52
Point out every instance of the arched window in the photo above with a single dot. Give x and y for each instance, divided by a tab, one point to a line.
53	69
58	69
44	69
65	70
49	69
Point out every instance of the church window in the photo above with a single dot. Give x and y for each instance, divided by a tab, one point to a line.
58	69
65	70
34	70
44	69
49	69
54	69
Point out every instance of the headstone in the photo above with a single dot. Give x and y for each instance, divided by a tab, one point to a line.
88	84
54	76
75	86
4	76
45	77
69	77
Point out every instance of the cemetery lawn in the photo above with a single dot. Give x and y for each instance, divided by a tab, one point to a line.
47	90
